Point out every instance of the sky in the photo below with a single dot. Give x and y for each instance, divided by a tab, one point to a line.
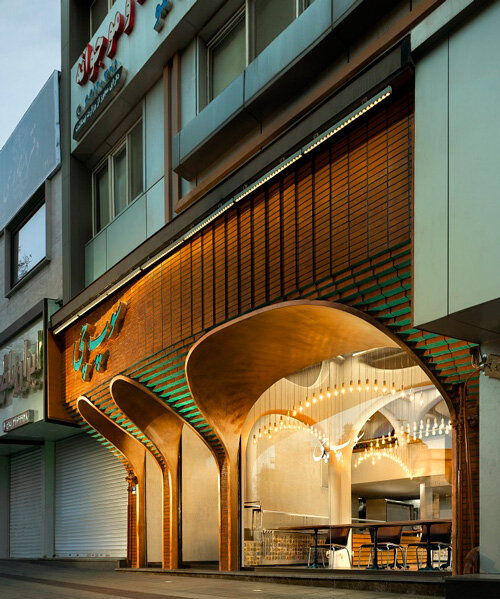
30	49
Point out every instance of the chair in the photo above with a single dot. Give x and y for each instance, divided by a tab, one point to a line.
388	539
336	540
440	538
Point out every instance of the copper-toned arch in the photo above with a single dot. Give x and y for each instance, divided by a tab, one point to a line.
135	453
231	366
163	427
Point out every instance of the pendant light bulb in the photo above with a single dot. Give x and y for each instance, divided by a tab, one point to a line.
314	400
375	385
308	403
384	387
328	393
367	384
260	433
294	411
393	388
351	386
300	406
343	389
359	384
254	440
321	396
335	390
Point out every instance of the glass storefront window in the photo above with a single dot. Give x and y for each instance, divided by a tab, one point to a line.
28	245
359	437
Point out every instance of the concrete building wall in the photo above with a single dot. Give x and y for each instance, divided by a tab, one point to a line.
457	92
456	285
46	282
489	467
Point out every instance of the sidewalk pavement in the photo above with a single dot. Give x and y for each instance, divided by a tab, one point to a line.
25	580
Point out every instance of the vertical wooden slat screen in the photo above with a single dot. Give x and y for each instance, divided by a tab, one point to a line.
340	204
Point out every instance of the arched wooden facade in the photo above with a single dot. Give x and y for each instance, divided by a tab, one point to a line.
334	227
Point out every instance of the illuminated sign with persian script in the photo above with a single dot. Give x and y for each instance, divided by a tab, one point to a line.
88	343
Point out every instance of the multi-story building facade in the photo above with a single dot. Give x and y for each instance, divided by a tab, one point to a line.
239	252
31	281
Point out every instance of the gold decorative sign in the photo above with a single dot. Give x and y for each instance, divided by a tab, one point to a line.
83	348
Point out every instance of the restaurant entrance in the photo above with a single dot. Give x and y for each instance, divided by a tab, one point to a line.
356	439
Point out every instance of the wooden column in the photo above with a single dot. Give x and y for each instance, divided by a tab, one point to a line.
163	427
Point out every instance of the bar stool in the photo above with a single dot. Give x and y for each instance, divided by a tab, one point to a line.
388	539
336	540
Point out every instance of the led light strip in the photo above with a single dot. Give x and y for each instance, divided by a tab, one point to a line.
355	114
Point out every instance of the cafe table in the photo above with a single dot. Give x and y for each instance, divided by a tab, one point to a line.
374	526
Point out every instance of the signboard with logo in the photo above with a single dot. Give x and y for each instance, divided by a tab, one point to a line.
21	374
129	36
91	351
97	70
17	421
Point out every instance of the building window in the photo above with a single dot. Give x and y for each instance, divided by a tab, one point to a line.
119	179
28	244
98	11
249	31
271	18
227	54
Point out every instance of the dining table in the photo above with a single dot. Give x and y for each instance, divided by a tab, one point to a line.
374	526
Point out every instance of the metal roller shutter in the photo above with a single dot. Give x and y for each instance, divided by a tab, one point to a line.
91	500
26	505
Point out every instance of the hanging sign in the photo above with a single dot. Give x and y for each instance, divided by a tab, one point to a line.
17	421
22	373
83	348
